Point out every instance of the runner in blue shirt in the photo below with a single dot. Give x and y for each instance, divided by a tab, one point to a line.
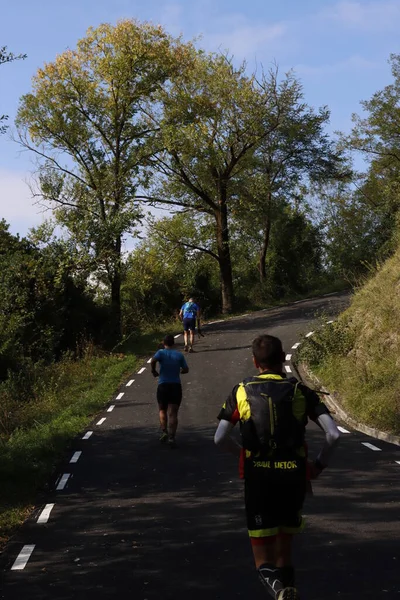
189	313
169	390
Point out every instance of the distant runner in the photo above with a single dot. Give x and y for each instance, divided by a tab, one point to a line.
169	389
190	313
273	412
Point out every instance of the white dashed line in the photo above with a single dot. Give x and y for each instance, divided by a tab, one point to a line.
45	514
176	336
397	461
310	333
75	457
22	558
63	481
130	383
288	369
101	421
141	370
342	429
329	322
371	446
87	435
288	357
120	396
111	408
149	361
296	346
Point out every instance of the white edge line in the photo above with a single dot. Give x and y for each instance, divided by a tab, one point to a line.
87	435
45	514
371	446
120	395
149	361
130	383
397	461
175	336
22	558
141	370
63	481
288	369
101	421
76	456
295	346
310	333
111	408
329	322
342	429
288	357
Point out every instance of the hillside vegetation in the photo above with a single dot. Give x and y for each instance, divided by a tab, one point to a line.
358	356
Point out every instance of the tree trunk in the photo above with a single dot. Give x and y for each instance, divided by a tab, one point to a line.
265	243
224	255
116	279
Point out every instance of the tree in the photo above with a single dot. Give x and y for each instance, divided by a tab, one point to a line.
7	57
84	122
297	151
211	119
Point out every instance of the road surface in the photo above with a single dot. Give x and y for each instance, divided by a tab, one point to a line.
129	518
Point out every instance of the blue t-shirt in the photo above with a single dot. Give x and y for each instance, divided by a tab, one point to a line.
189	310
171	363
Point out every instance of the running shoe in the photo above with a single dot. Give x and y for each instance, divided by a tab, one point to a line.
288	593
191	349
186	348
163	437
171	443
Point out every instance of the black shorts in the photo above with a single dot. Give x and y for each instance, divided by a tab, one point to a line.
189	324
274	504
169	393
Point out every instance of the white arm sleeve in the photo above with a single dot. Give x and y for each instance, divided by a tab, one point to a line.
222	438
332	436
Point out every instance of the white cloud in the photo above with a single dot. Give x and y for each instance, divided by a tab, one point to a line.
16	204
354	63
365	16
243	39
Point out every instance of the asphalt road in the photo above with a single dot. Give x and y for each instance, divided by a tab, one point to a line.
138	520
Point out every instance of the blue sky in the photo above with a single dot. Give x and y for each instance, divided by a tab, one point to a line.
339	50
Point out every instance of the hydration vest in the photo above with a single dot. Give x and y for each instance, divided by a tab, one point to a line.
273	414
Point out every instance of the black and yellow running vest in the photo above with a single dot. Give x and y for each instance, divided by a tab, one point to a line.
272	413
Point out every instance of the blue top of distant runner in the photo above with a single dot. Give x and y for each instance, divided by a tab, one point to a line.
189	310
171	363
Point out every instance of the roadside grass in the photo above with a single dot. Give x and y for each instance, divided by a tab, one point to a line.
69	394
358	356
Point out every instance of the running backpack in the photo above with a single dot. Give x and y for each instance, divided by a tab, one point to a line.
272	424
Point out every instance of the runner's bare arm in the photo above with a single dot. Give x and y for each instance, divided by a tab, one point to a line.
153	367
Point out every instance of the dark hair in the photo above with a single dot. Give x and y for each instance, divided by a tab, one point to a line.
169	340
267	350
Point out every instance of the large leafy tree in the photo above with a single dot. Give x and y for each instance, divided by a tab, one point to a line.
298	151
84	121
211	119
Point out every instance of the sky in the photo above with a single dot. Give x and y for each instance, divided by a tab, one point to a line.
338	49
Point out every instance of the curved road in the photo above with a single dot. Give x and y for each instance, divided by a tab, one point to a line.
137	520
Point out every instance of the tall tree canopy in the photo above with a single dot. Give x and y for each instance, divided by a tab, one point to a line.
84	121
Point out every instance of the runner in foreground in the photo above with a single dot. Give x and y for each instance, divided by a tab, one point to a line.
169	389
189	313
273	412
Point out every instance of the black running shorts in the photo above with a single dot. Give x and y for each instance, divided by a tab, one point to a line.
189	324
169	393
273	507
